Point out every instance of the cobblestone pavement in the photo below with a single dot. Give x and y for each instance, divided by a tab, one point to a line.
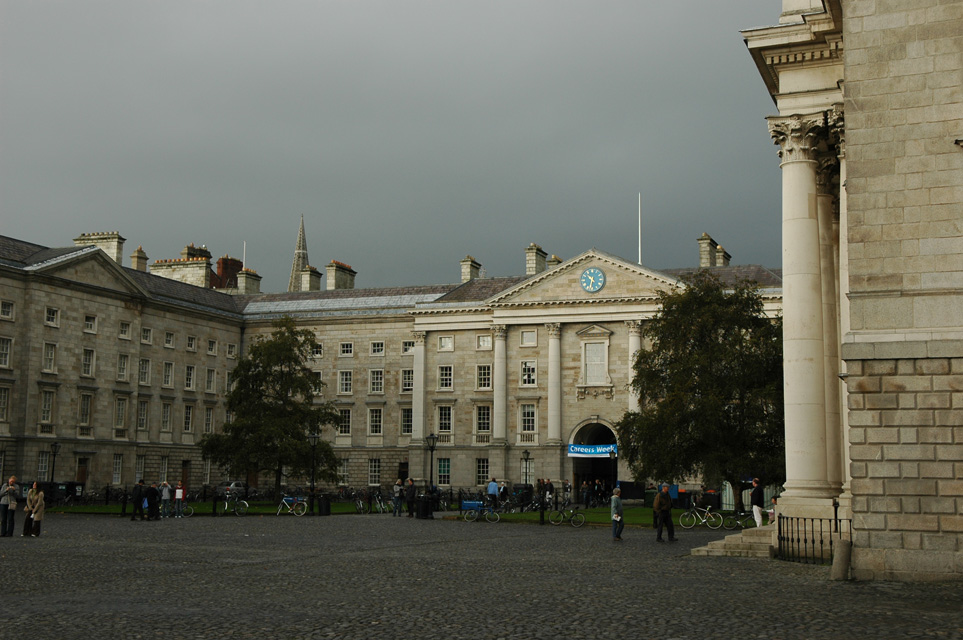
381	577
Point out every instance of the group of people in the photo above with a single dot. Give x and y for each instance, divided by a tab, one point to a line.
157	500
592	493
32	511
403	492
662	512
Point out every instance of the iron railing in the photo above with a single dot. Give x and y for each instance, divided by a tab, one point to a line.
811	540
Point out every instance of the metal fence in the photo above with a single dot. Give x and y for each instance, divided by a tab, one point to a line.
811	540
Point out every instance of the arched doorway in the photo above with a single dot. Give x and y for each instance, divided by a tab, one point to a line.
604	467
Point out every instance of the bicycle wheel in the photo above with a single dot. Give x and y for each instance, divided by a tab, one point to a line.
578	520
471	515
492	516
730	522
240	508
364	508
300	508
714	520
556	517
187	511
687	520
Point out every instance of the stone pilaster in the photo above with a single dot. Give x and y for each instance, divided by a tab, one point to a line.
500	390
554	383
635	344
418	392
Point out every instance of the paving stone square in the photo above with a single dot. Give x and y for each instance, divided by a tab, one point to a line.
381	577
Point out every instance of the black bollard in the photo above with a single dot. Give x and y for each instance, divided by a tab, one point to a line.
123	504
214	504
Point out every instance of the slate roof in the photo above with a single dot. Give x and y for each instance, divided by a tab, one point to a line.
480	289
765	277
341	301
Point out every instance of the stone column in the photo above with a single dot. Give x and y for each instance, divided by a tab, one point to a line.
803	364
500	391
635	343
418	392
554	383
826	183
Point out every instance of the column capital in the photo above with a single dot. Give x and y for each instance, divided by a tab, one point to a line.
419	336
837	129
554	329
635	327
500	331
798	136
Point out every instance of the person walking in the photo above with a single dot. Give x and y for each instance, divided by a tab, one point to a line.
153	502
618	520
8	507
33	512
396	493
165	491
180	496
410	497
756	499
493	493
663	506
137	497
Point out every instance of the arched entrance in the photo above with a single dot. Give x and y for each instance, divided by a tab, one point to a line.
590	469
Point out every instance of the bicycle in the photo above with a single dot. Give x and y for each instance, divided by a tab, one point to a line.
740	519
361	503
294	504
476	508
568	515
234	504
697	515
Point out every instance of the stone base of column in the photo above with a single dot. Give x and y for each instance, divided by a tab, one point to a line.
798	507
810	489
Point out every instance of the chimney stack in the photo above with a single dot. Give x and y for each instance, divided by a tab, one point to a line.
722	257
553	262
534	259
339	276
707	251
470	268
310	279
110	242
248	282
138	259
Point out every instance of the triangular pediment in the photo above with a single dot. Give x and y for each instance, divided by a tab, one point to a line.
90	266
578	281
594	331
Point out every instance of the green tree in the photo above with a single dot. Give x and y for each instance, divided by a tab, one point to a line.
710	389
274	409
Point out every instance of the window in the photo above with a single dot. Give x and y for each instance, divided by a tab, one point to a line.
169	339
168	380
52	317
142	414
207	472
231	350
146	335
407	346
163	469
83	416
595	363
343	471
317	351
528	467
139	466
344	423
189	376
444	419
208	419
212	347
374	421
192	343
446	343
483	342
378	348
49	357
46	410
90	324
407	421
166	416
118	468
528	338
210	381
407	380
188	418
376	381
120	412
87	363
444	377
481	471
6	346
344	382
483	418
43	465
347	349
318	384
4	403
124	332
527	378
527	417
122	361
444	470
483	376
374	471
6	310
143	371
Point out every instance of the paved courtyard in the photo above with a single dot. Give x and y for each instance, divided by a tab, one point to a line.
381	577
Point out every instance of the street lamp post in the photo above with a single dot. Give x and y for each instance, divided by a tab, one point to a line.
615	468
527	477
432	440
313	439
54	449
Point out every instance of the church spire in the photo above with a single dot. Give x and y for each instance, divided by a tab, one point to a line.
300	260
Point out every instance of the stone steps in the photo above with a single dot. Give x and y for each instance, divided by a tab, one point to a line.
750	543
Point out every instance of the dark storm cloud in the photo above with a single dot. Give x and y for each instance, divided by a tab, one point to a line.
409	134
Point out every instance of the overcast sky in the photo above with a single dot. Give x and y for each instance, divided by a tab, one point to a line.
408	133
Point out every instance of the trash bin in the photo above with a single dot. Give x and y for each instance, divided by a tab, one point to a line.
423	507
324	506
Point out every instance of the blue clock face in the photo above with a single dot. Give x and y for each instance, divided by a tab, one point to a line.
593	279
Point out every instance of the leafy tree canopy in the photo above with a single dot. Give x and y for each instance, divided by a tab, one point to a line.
710	389
273	409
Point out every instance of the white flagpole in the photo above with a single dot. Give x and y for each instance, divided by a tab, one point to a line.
640	228
244	255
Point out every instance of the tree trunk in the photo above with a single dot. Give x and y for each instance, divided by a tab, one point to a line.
736	485
277	482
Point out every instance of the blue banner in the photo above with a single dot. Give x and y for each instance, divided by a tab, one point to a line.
592	450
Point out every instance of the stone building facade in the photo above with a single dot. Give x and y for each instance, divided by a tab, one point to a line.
869	120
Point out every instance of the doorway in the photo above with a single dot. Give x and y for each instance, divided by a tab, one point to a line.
589	469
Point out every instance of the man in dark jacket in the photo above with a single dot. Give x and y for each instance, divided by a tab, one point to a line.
410	497
663	506
153	502
756	499
137	497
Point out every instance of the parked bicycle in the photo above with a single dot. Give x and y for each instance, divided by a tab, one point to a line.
567	515
293	504
476	508
697	515
740	519
234	504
